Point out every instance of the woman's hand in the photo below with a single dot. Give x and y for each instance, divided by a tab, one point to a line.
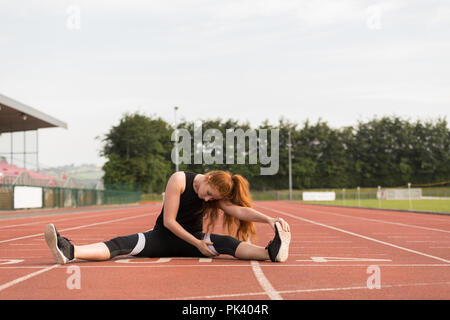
284	224
202	246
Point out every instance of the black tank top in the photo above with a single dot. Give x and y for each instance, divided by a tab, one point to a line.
190	215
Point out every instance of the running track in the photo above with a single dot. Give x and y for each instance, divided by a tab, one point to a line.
336	253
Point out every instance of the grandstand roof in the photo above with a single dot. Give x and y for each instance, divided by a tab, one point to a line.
16	116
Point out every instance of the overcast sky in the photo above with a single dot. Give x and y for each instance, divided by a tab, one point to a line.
88	62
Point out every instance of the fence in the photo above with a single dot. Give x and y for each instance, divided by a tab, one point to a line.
432	199
58	197
344	194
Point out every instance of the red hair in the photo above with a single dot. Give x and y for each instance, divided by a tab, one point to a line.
234	188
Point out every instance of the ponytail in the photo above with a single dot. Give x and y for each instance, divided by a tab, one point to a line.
235	189
240	194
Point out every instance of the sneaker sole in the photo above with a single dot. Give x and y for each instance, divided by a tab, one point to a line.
285	238
52	243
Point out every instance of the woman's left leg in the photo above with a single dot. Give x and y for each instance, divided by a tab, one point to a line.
249	251
277	250
237	248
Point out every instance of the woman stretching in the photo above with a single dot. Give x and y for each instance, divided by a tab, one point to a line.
190	198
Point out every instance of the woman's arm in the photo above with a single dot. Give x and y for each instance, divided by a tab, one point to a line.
250	214
175	186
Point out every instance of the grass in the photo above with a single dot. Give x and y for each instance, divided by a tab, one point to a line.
156	197
429	205
442	206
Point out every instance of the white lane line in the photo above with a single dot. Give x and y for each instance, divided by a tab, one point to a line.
320	241
380	221
311	264
365	287
316	290
359	235
80	215
264	283
79	227
28	276
224	296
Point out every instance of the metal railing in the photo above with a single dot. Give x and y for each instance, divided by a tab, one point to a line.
60	197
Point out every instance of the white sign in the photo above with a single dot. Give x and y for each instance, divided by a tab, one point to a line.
319	196
27	197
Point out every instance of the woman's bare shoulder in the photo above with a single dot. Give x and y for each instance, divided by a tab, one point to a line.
178	180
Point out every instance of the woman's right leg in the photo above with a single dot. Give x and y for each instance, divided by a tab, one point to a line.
138	244
64	251
96	251
132	245
107	250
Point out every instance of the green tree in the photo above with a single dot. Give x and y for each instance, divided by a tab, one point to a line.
430	151
387	151
138	154
391	151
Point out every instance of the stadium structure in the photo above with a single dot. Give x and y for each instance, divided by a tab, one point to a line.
22	188
18	117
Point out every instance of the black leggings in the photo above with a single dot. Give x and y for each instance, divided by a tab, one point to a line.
163	243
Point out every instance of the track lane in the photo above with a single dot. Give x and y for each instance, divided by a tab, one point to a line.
404	274
356	233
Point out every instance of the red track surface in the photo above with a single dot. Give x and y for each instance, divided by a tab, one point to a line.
333	253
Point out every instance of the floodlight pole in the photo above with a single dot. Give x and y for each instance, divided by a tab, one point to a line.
24	150
289	145
37	151
12	148
176	139
409	195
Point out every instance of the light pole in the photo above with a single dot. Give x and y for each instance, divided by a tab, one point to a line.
289	145
176	139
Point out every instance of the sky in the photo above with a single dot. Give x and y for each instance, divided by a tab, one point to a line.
87	62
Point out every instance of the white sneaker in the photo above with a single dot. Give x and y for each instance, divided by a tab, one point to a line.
279	247
61	248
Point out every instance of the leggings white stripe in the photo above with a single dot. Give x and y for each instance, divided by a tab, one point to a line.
208	238
139	245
